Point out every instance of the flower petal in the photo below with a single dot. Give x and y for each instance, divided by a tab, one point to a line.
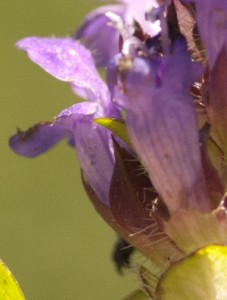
38	139
93	144
69	61
163	128
99	36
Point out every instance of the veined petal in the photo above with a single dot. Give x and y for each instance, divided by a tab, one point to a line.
38	139
92	142
94	146
163	128
69	61
99	36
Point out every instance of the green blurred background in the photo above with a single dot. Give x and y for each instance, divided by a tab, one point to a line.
50	235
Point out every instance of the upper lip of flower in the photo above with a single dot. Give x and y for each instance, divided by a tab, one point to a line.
99	34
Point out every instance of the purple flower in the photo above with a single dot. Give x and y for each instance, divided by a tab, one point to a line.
99	36
103	38
162	124
69	61
159	178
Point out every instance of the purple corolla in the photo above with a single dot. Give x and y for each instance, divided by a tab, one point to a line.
69	61
100	35
162	124
158	173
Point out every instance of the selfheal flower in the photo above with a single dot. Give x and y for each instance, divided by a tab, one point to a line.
69	61
153	89
101	36
161	122
159	187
